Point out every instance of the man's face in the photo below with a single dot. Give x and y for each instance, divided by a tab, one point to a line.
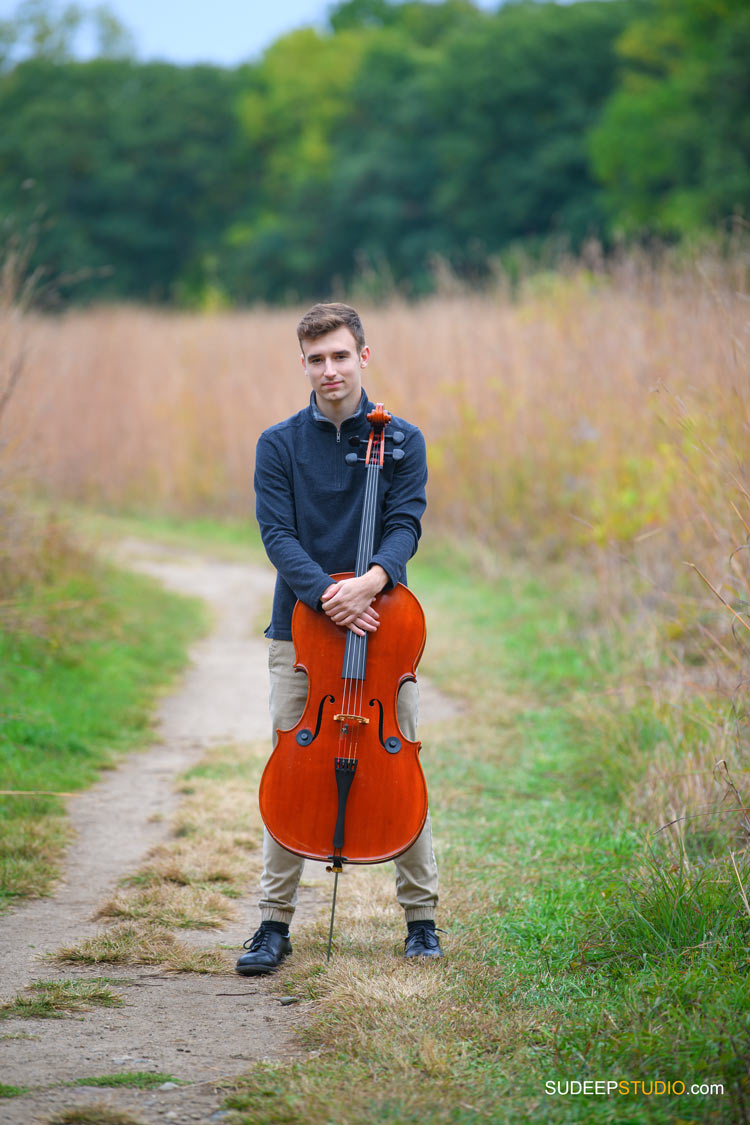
334	368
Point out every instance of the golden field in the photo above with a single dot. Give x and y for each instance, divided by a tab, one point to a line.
608	409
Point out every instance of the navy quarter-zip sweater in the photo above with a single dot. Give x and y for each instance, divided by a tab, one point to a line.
309	504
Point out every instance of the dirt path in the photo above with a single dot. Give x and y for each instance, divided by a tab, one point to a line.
199	1029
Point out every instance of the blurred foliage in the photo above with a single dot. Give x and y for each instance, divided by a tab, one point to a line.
403	142
124	170
40	29
673	143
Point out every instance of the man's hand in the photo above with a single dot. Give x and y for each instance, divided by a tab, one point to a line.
349	602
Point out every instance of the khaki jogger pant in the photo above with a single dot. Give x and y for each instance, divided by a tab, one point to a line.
416	870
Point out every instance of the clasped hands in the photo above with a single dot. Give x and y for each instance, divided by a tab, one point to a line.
349	602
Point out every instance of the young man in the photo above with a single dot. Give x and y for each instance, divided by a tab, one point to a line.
309	502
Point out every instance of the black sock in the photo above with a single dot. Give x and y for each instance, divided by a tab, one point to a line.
276	927
428	923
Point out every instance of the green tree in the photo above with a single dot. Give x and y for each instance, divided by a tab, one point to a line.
402	132
338	127
673	145
383	197
126	170
276	244
470	135
515	100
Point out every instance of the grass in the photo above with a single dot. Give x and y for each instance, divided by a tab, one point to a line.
192	880
55	999
80	669
7	1091
575	950
135	1080
579	946
93	1115
144	944
229	538
136	638
607	398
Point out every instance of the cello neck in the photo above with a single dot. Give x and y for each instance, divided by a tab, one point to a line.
365	546
355	654
373	464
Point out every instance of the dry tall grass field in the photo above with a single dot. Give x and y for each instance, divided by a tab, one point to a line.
610	409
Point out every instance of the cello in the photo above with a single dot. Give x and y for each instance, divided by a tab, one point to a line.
345	785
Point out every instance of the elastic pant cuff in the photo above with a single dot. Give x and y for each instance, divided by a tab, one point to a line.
271	914
419	914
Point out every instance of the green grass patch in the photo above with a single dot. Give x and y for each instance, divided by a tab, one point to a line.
78	684
230	538
136	1080
7	1091
55	999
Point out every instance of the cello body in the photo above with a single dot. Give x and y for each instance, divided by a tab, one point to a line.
344	784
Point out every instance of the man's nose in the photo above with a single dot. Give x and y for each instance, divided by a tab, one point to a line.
330	368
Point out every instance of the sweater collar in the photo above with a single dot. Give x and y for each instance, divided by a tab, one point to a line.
319	416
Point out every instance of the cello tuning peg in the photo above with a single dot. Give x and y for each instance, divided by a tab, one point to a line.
351	458
354	440
398	455
398	437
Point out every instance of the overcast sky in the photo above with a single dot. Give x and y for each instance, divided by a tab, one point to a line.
218	31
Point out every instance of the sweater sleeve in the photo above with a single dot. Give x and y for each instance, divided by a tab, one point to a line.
403	508
274	507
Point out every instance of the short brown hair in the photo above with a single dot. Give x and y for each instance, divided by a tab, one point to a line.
325	318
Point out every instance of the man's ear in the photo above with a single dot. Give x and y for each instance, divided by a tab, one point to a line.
364	356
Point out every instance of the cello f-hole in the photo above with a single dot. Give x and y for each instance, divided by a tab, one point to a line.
305	736
391	744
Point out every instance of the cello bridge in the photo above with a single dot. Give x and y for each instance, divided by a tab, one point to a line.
350	719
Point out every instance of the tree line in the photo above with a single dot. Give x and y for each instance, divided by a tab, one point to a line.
401	138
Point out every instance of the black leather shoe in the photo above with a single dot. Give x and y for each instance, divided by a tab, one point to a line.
422	942
265	952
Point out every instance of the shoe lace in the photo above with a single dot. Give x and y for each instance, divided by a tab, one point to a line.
428	935
257	941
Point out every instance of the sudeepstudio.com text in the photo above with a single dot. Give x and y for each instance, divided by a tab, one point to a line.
627	1087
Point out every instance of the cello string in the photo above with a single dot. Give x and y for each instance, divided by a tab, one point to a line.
352	656
360	643
357	643
367	543
353	659
356	650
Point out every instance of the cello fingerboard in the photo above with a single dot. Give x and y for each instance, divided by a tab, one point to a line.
355	657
